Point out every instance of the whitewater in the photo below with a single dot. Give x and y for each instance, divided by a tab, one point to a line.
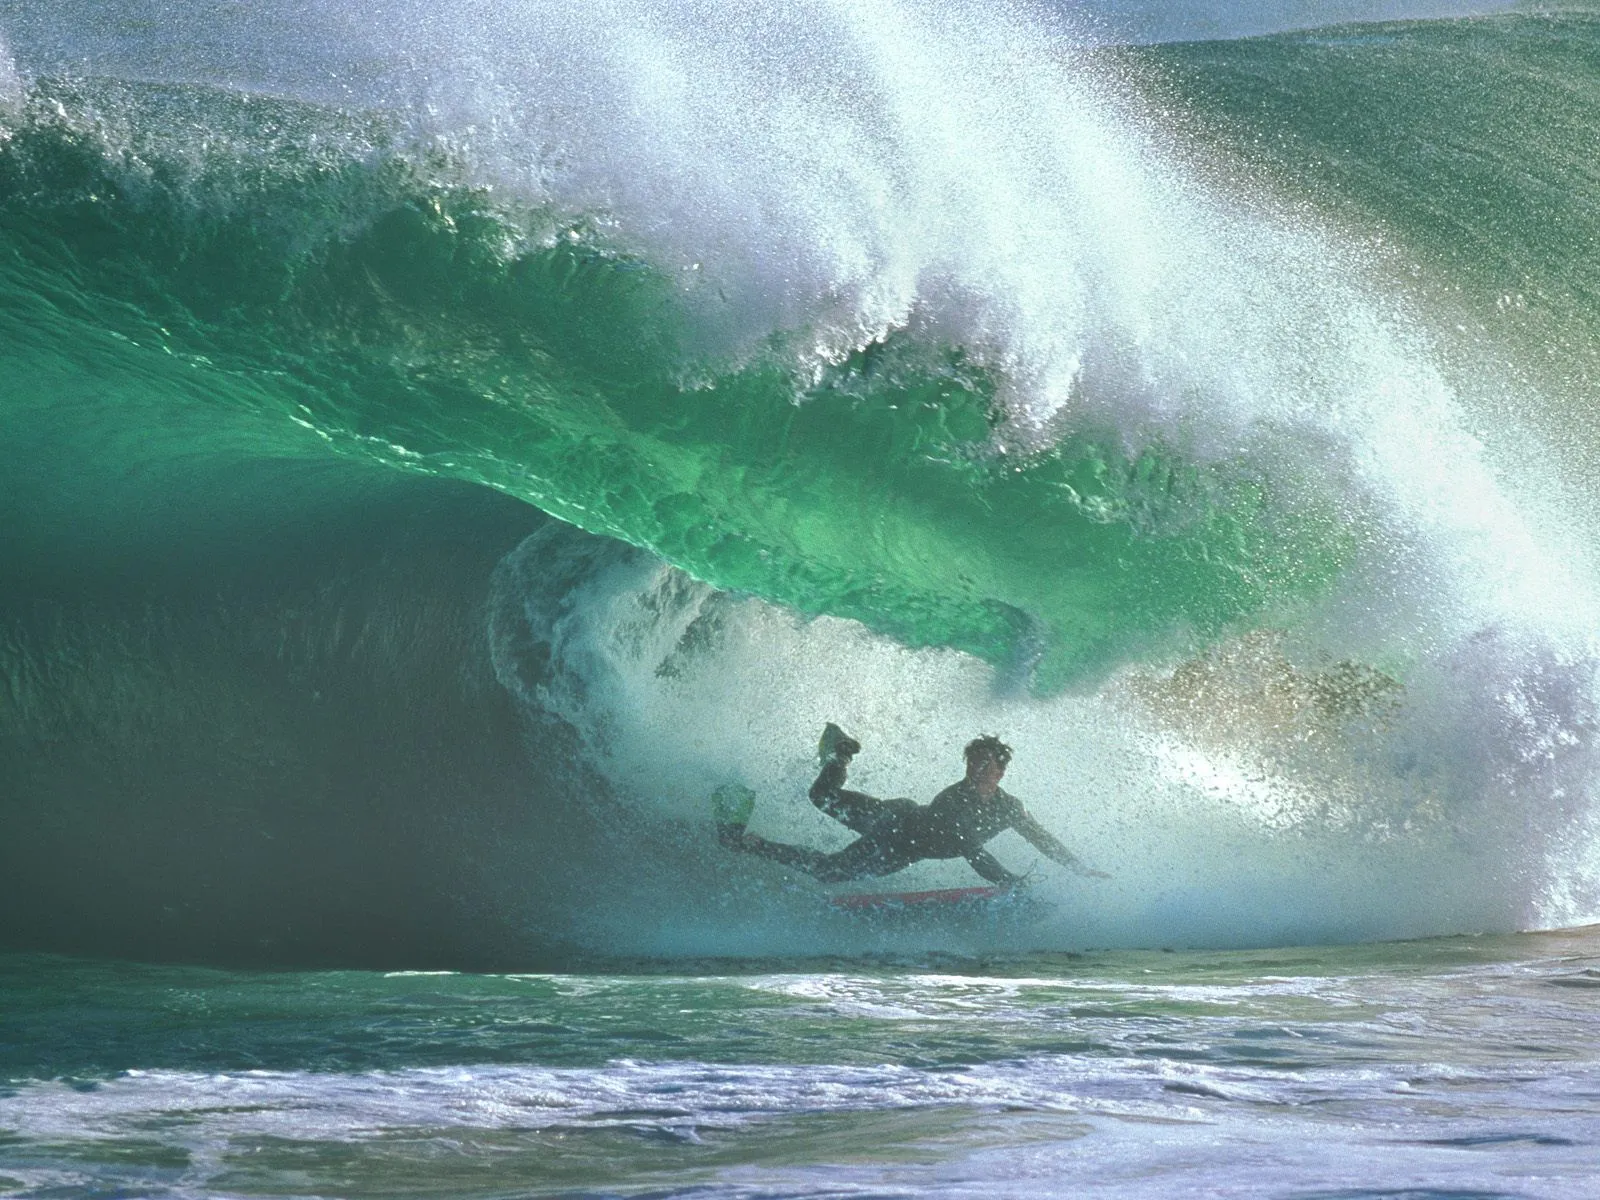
443	444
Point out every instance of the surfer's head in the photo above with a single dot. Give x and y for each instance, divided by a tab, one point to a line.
988	746
987	757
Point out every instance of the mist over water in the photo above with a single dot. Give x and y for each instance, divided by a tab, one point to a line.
1241	801
910	367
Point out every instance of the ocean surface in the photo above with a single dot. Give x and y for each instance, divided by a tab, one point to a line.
1461	1068
440	444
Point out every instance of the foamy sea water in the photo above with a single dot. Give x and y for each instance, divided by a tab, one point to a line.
1459	1067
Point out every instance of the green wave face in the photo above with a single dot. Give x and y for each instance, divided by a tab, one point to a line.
307	273
248	279
1470	144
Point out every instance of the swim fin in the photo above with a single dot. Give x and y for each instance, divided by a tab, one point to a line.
731	806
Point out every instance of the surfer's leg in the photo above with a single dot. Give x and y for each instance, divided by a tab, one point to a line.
799	857
863	857
853	810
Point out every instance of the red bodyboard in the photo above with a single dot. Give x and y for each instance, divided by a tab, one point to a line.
858	901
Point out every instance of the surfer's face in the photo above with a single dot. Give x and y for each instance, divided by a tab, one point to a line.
985	770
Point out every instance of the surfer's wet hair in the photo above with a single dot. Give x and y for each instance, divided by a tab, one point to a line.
988	746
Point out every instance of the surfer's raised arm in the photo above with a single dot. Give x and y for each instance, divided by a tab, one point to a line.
1047	844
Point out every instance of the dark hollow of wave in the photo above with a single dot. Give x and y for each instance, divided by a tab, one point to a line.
285	744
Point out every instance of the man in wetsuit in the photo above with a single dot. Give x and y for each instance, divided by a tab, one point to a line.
897	833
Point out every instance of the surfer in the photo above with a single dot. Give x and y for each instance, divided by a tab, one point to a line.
896	833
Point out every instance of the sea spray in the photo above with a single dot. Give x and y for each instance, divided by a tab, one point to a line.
11	86
1244	799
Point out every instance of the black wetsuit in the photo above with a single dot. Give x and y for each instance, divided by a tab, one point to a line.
896	833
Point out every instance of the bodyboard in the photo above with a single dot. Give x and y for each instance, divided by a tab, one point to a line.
938	898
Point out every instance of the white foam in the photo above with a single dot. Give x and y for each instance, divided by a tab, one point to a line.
11	85
1125	1127
824	174
308	1106
1455	812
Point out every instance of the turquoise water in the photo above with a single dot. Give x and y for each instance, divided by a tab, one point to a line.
438	448
374	297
